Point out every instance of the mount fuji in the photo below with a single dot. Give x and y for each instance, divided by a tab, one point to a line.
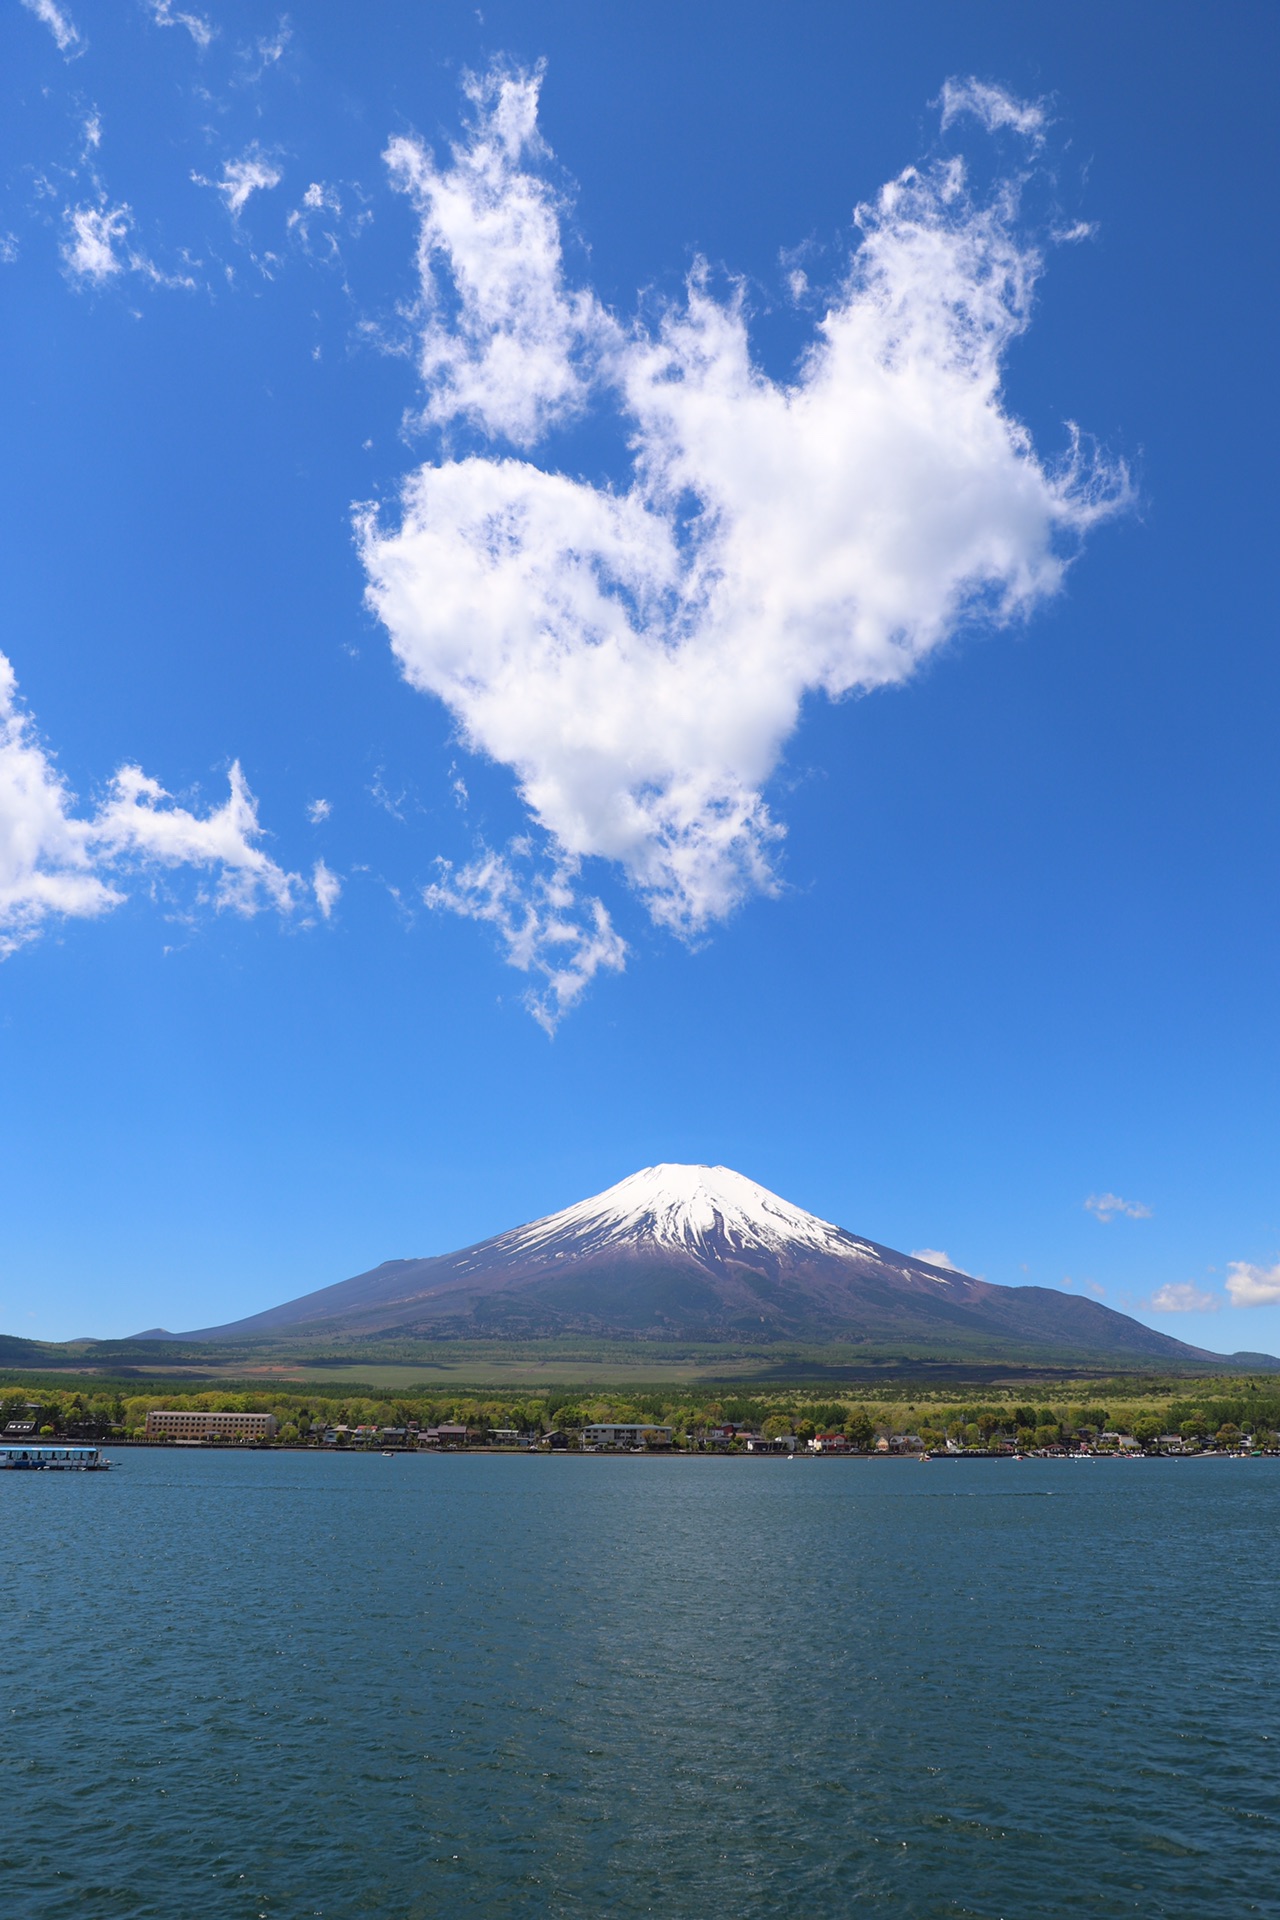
703	1254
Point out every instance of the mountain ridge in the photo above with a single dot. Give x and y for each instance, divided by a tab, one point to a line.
703	1253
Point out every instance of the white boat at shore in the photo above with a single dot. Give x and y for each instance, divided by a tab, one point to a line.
51	1457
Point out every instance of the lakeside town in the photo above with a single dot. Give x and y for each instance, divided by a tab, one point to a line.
1241	1425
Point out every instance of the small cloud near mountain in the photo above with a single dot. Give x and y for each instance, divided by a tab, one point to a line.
935	1257
1183	1296
1251	1286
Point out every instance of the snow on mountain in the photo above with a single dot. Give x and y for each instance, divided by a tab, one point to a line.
702	1253
693	1209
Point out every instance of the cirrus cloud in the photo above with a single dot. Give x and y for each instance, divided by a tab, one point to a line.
638	655
65	33
992	107
202	31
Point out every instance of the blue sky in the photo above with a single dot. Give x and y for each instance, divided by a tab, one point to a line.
760	733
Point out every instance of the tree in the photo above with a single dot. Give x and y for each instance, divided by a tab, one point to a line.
1228	1435
1146	1431
859	1428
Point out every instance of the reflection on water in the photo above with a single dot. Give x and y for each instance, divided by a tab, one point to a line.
369	1689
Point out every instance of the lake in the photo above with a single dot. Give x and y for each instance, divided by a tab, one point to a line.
286	1685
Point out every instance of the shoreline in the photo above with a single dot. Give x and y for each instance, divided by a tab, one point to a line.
671	1453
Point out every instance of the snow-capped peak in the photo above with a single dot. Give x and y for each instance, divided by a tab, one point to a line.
686	1207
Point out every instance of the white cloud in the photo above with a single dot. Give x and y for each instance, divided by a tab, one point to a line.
1182	1297
545	928
992	107
318	811
95	249
1106	1206
55	862
251	173
45	865
934	1257
1251	1286
60	25
327	888
639	656
317	223
268	51
135	823
381	794
318	198
201	30
505	342
90	247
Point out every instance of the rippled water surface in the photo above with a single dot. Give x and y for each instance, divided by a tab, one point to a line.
370	1689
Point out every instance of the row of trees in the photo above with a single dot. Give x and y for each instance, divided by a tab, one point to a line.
690	1412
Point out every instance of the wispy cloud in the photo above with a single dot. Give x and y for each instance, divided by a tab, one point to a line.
318	811
56	862
992	107
267	51
93	236
1108	1206
252	173
66	35
1250	1286
382	796
201	30
96	248
326	886
546	929
1090	1286
1182	1296
639	656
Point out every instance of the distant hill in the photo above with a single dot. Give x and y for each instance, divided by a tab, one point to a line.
704	1254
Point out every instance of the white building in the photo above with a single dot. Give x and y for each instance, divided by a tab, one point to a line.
201	1425
625	1436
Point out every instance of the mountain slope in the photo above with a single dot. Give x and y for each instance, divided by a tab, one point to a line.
702	1253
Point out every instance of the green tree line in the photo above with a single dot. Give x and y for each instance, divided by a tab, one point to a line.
301	1413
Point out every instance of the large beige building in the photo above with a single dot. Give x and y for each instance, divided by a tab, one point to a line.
209	1426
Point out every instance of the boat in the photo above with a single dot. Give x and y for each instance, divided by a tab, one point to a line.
53	1456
